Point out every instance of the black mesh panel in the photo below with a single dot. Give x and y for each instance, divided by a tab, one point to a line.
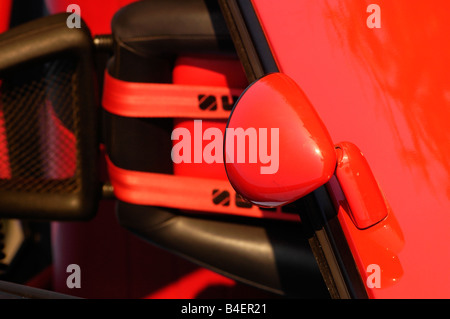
38	129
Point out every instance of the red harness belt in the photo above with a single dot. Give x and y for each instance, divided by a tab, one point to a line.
195	194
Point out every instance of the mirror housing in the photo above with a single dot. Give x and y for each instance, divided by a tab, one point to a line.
276	148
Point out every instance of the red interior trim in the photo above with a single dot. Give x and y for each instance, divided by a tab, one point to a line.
5	14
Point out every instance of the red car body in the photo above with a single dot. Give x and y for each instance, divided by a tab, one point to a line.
386	90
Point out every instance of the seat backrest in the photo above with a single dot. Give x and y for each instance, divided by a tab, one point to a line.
97	14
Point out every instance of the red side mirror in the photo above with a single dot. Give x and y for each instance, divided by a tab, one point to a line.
276	148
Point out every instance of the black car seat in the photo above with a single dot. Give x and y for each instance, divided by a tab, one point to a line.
169	49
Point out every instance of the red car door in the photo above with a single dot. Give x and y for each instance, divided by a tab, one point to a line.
376	74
